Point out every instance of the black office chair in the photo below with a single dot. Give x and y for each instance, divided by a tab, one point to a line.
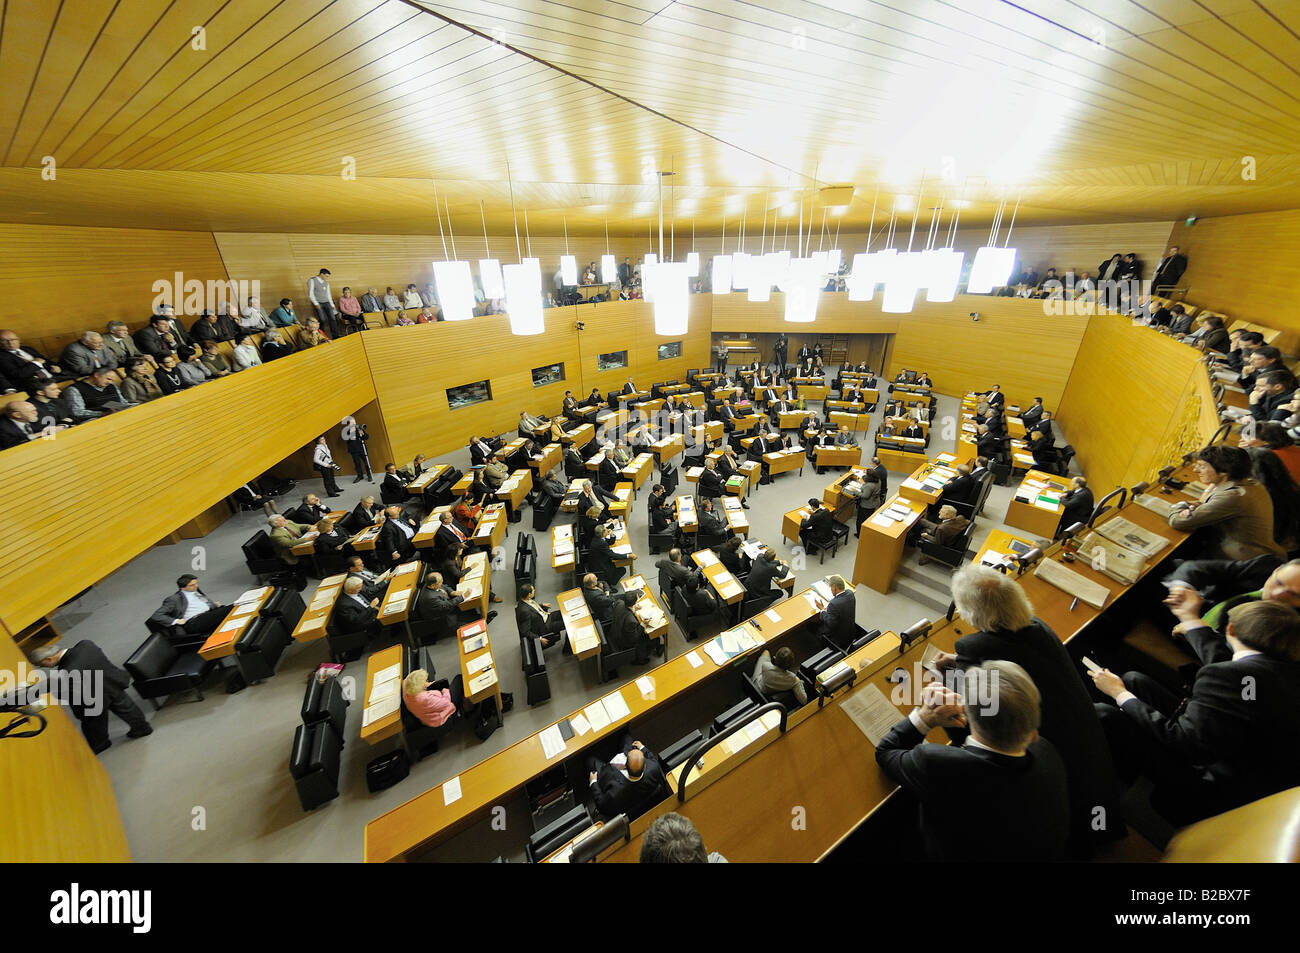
421	740
611	658
753	604
347	646
952	556
259	555
556	834
687	618
819	546
536	681
259	649
158	669
325	701
314	764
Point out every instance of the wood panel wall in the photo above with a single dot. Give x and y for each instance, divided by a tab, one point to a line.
1245	266
62	280
161	464
1135	399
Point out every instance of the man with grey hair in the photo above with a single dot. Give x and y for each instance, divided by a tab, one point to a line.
119	346
673	839
1001	796
285	536
1007	629
92	686
20	423
83	355
838	617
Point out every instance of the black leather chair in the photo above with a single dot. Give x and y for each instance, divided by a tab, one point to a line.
735	713
158	669
421	740
287	605
422	631
661	541
611	658
177	636
677	752
688	619
536	681
314	764
953	555
557	833
259	649
752	604
260	557
346	646
324	701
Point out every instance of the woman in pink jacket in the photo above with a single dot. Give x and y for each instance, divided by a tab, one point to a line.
432	706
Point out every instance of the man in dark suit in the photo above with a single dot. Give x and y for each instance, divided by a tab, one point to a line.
625	272
960	487
672	572
372	584
157	340
1005	775
997	401
1169	269
24	366
727	414
20	423
365	512
987	444
310	511
480	451
1222	745
710	481
394	543
190	608
1273	389
764	571
1033	414
1077	504
449	535
980	469
817	527
628	783
92	686
913	430
353	612
882	475
1043	426
710	522
600	558
599	596
838	617
608	472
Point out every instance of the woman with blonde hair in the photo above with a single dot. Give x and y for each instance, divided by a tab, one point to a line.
433	703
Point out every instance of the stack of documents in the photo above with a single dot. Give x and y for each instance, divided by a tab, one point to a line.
1111	559
1049	570
1132	536
1155	504
252	595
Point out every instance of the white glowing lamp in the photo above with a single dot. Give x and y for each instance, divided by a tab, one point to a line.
693	264
523	290
568	269
759	278
943	273
608	269
489	276
834	258
906	277
721	274
740	267
990	269
672	297
803	285
455	286
861	281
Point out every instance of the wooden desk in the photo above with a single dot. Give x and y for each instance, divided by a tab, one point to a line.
927	481
707	432
638	471
491	527
1016	428
649	407
857	423
726	586
783	461
387	726
900	461
580	436
694	398
461	486
792	521
517	486
685	508
395	606
998	546
833	493
563	554
316	616
427	534
475	664
221	643
426	479
880	548
647	609
567	504
791	419
847	406
811	391
579	626
668	447
750	471
1039	520
547	460
610	421
838	457
364	541
476	584
621	506
902	423
736	517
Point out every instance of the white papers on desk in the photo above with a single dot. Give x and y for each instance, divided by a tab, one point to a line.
252	595
563	547
333	580
1045	505
232	624
584	639
883	519
899	511
323	598
384	674
413	565
1049	570
451	791
727	585
1154	504
476	665
381	709
795	448
994	558
311	625
1111	559
946	457
624	549
715	652
645	684
773	615
706	557
475	643
871	711
597	715
580	724
812	600
694	658
574	604
1132	536
396	604
243	609
729	643
616	706
911	484
482	682
552	741
389	686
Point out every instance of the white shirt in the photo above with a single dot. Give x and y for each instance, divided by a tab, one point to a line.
321	457
318	290
195	604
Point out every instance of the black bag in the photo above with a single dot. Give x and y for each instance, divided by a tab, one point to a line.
668	477
386	770
489	720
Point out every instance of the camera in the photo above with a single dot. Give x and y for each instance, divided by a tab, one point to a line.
974	315
580	326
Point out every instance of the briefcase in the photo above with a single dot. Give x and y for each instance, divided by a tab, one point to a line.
386	770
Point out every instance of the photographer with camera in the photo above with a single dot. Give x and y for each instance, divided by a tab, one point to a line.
355	437
323	461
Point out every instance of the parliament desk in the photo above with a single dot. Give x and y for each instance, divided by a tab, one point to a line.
927	481
476	584
594	461
513	490
395	606
897	460
753	548
461	486
433	818
736	517
685	509
857	423
784	461
308	545
707	432
747	422
669	389
580	436
966	450
901	423
491	528
833	494
1016	428
791	419
813	390
426	479
364	541
563	554
668	447
725	586
638	471
724	393
547	460
505	454
569	504
579	626
390	724
792	521
880	547
740	484
316	617
1038	512
648	408
834	456
621	506
694	398
610	421
622	546
865	395
1001	548
426	535
647	609
479	677
221	643
847	406
1021	459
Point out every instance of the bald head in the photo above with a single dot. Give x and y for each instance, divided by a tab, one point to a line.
22	410
635	763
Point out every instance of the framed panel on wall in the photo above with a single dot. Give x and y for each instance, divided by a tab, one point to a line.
550	374
670	350
466	394
611	361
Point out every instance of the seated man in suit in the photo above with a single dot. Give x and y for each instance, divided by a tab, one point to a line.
817	528
329	541
837	617
372	584
1033	414
673	572
727	414
448	535
959	488
764	571
480	450
22	365
438	601
1273	390
843	436
569	406
913	430
997	401
394	543
710	481
309	511
21	423
627	783
353	612
392	489
778	676
711	523
980	468
608	474
600	558
190	608
366	512
987	444
1005	775
1043	426
494	473
286	535
1222	746
600	596
946	531
528	424
1043	450
1077	504
534	618
776	408
574	465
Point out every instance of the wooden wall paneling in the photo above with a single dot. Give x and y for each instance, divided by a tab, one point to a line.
162	463
1127	404
63	280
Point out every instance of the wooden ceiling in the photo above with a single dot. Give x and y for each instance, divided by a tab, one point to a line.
1083	111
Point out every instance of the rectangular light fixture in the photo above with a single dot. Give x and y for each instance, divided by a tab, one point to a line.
693	264
672	297
455	285
861	282
721	274
489	276
740	268
523	291
990	269
943	274
608	269
568	270
803	287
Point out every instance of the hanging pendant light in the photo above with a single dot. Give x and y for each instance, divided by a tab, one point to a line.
523	293
608	266
672	298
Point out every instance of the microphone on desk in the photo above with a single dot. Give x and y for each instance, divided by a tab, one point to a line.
917	630
1028	559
